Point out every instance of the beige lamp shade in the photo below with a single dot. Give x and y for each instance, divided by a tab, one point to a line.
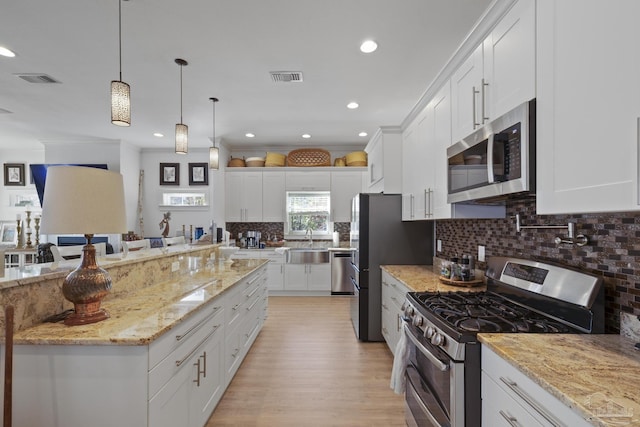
83	200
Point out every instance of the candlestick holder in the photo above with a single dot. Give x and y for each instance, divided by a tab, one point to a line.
18	233
37	227
191	234
28	244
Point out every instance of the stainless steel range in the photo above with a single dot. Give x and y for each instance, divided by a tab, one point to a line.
522	296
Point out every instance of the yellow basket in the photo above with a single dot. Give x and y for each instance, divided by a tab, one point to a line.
275	159
356	158
304	157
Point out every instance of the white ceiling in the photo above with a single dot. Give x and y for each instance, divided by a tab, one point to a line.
230	45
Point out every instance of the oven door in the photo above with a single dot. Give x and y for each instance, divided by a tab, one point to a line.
434	394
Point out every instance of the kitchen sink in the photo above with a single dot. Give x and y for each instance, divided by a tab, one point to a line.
307	256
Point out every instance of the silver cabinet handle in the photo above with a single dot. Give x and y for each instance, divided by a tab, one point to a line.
412	209
427	203
484	101
474	92
181	361
531	402
198	325
513	421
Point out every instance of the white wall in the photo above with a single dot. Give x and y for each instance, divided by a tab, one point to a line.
187	216
130	159
9	194
86	151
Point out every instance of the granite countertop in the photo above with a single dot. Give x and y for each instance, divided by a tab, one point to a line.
422	278
585	372
139	317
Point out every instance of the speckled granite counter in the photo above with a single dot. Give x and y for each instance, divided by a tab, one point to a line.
143	315
577	369
422	278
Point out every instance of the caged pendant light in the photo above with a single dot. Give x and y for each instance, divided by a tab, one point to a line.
120	91
182	130
214	153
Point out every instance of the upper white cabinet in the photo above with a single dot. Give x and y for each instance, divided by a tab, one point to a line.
588	106
243	193
384	153
499	75
308	181
417	167
273	196
344	186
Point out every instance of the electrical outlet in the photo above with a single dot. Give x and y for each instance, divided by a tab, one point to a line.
480	253
439	245
175	266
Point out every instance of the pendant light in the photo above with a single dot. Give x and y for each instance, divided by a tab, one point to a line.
120	91
214	153
182	130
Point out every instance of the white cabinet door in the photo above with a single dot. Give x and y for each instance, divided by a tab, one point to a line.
441	111
273	196
308	181
509	62
344	186
466	86
499	75
295	277
243	193
384	153
319	277
588	106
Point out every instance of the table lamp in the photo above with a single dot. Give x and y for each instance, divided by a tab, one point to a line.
84	200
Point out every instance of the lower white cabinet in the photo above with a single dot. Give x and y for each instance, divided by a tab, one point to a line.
510	398
176	380
308	277
393	295
275	268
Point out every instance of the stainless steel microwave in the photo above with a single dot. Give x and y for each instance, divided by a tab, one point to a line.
497	161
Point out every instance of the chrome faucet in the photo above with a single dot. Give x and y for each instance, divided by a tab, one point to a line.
310	234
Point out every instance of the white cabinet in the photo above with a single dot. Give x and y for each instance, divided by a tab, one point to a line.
500	73
273	196
511	398
344	186
393	296
275	271
308	181
308	277
243	193
19	257
588	106
384	161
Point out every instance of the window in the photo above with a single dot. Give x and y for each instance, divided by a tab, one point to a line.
308	210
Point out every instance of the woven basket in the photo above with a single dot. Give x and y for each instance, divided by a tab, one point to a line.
356	158
255	162
309	157
275	159
236	163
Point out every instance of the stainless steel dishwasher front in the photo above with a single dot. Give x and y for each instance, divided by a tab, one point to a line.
340	267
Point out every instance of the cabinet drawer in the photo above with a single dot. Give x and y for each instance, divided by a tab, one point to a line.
163	346
189	344
500	409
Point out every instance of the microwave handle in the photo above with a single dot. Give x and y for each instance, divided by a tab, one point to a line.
490	175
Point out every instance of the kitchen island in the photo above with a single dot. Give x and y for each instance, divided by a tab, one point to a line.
595	377
163	358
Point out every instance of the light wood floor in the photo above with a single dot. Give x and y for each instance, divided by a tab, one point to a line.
306	368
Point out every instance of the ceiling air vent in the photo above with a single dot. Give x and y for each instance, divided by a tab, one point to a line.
286	76
37	78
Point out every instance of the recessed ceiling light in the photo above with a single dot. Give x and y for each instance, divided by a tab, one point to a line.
363	134
6	52
368	46
250	135
352	105
306	136
158	135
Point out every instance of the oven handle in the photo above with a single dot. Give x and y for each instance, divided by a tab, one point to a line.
438	363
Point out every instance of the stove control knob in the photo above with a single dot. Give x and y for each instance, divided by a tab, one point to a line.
409	311
437	339
429	332
418	321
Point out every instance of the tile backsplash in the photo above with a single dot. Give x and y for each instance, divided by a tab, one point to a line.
613	250
277	229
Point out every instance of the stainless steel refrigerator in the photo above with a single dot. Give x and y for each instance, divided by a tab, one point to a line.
379	237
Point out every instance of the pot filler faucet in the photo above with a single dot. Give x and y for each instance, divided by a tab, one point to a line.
310	234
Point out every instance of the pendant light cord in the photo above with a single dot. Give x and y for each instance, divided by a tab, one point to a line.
213	101
120	35
180	93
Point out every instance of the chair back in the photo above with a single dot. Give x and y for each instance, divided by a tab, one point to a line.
135	245
170	241
61	253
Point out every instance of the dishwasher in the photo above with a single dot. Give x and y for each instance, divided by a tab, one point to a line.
340	267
